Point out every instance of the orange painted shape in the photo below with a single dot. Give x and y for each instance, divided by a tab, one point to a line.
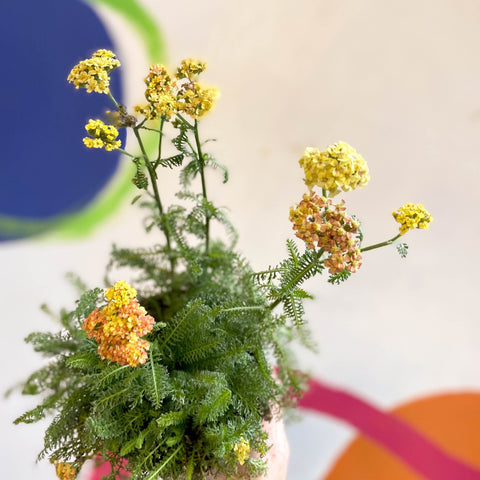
451	421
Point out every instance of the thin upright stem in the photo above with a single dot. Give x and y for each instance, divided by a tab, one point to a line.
381	244
160	138
126	153
112	98
153	181
204	187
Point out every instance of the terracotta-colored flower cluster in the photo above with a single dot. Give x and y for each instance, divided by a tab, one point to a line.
167	95
65	471
320	223
101	136
411	216
93	73
337	168
117	328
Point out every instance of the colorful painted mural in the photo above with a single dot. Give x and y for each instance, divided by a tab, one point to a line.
61	188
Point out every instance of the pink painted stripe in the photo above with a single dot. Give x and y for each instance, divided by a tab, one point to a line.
421	454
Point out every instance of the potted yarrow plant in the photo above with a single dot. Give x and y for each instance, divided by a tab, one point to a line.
182	372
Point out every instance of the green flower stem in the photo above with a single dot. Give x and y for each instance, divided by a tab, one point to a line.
300	277
153	181
185	121
381	244
160	138
154	475
267	272
204	187
112	98
246	308
126	153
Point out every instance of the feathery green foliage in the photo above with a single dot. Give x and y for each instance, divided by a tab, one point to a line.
218	362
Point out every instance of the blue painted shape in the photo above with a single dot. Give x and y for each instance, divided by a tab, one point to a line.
45	170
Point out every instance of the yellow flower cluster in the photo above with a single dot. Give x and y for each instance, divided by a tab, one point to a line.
65	471
101	135
167	96
242	450
337	168
190	68
117	328
93	73
318	222
411	216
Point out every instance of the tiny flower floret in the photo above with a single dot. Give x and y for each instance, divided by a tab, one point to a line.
93	73
101	136
65	471
117	327
242	450
320	223
337	168
411	216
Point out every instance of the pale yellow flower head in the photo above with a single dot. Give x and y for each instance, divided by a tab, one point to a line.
101	136
196	100
411	216
337	168
93	73
242	450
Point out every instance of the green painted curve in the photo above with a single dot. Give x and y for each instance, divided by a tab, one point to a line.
111	197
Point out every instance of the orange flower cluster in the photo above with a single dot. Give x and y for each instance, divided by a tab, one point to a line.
318	222
119	325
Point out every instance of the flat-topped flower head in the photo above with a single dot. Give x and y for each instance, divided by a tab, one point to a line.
65	471
101	136
190	68
160	94
119	326
242	450
337	168
411	216
196	100
93	73
167	95
121	293
322	224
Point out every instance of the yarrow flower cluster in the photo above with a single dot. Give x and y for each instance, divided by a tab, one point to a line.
411	216
101	136
242	450
337	168
117	328
167	96
320	223
93	73
65	471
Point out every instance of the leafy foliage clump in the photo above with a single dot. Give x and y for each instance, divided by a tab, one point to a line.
218	362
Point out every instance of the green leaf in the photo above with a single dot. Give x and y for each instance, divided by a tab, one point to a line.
135	200
339	277
402	249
